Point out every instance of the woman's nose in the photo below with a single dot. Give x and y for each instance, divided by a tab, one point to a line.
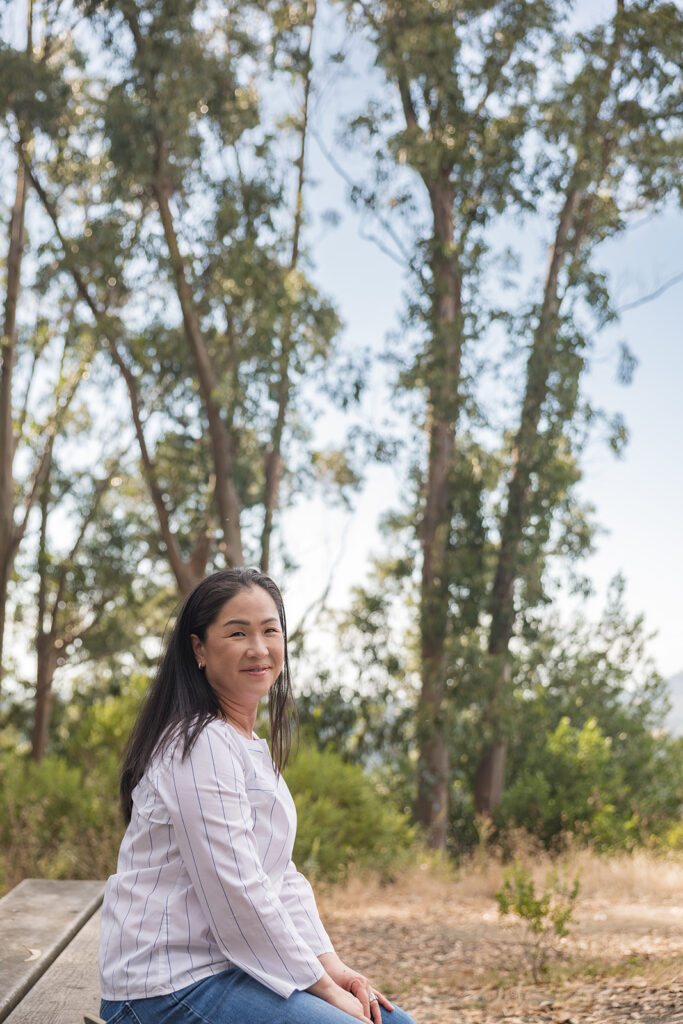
258	646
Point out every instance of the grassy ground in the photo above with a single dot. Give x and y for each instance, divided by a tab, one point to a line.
436	943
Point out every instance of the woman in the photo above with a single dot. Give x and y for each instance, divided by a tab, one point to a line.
207	919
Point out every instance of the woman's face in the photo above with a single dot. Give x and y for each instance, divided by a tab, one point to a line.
243	650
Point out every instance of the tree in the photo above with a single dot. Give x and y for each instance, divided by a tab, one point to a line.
592	757
252	326
600	130
498	111
463	128
16	507
45	358
299	58
88	591
168	242
10	532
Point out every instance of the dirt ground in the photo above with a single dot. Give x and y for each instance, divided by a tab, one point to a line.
440	948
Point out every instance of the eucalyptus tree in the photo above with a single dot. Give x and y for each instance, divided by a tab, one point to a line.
36	346
171	214
609	133
463	76
499	112
90	598
294	26
12	532
185	89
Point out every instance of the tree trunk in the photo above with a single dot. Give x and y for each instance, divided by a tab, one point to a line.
227	500
46	665
490	774
570	232
188	573
273	463
489	780
444	380
9	541
46	661
433	764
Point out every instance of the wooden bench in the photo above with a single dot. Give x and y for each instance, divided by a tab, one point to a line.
48	952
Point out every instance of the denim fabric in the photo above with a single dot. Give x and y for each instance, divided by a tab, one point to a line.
233	997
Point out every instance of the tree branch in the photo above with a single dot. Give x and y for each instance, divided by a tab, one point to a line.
179	567
651	296
404	259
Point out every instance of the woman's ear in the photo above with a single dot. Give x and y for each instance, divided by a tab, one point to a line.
197	650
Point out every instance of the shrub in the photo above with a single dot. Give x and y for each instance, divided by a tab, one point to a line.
56	821
344	820
60	817
576	786
545	916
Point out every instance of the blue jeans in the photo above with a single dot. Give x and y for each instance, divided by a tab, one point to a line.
233	997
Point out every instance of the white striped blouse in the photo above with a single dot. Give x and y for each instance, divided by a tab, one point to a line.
205	880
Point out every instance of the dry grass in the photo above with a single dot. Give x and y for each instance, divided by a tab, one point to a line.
629	877
434	939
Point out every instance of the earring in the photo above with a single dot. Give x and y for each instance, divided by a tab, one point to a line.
200	665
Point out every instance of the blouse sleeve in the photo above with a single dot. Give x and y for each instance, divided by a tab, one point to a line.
298	899
206	797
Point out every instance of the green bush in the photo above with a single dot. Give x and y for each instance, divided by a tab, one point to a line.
344	820
60	817
574	784
545	916
56	821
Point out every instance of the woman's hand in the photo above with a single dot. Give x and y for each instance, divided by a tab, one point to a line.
357	984
327	989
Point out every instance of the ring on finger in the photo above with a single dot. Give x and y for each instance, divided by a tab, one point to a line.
373	998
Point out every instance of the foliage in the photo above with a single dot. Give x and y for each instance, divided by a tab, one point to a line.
489	113
60	817
590	755
345	820
166	267
587	752
546	915
56	820
579	789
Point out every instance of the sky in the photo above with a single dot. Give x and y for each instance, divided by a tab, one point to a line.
638	497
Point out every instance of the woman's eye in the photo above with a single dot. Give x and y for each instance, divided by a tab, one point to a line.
237	632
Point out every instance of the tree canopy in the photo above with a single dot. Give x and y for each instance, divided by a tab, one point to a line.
166	349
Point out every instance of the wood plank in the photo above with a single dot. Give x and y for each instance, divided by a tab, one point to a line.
69	988
38	918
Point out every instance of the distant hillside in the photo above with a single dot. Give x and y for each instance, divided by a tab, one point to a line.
675	720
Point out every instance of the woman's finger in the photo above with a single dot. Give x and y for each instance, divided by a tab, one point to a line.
366	1012
383	1001
375	1011
362	993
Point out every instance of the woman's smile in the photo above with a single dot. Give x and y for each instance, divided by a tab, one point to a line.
242	653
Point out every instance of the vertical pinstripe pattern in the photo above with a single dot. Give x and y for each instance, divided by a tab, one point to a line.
205	879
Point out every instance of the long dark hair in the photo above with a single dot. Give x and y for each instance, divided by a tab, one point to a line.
180	700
